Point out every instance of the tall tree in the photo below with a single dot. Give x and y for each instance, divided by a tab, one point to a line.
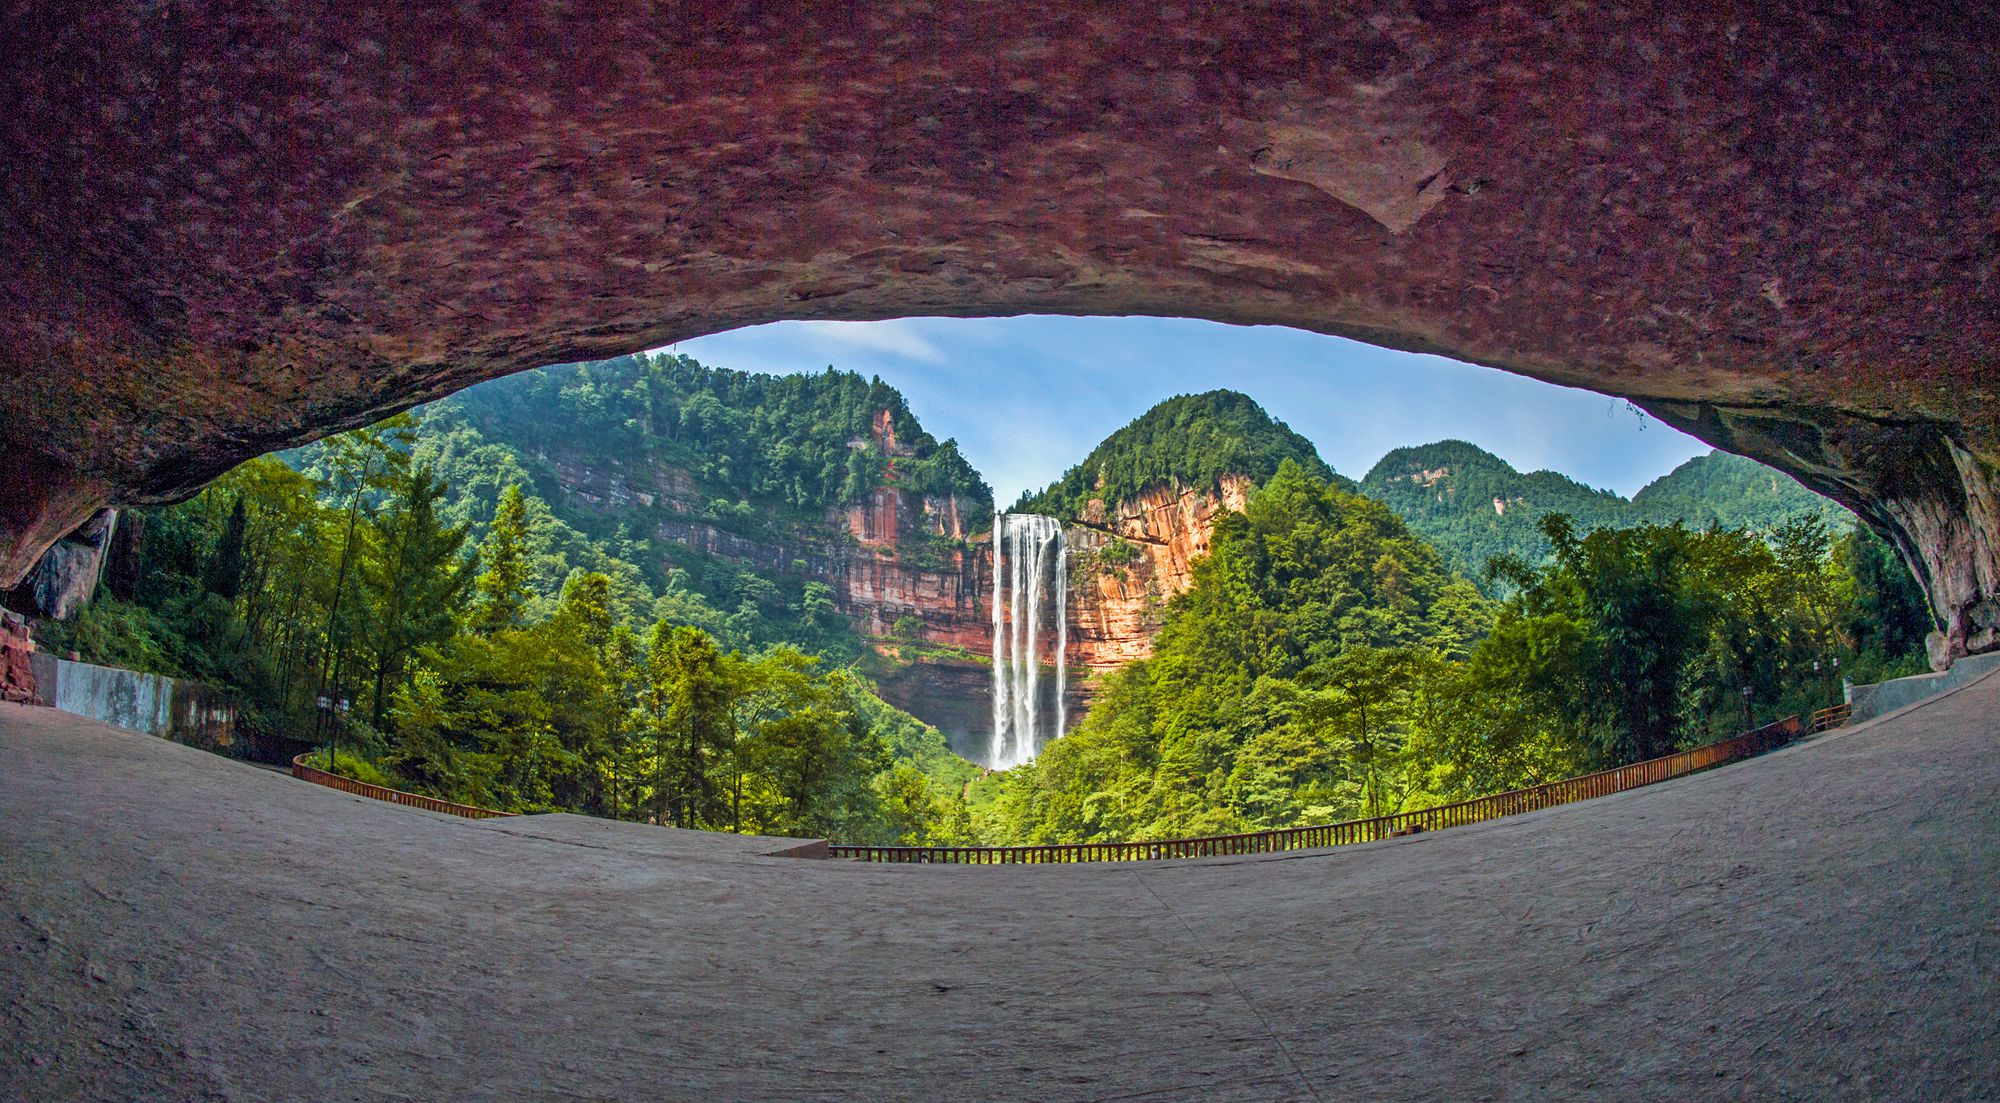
412	581
502	586
1373	688
225	568
686	711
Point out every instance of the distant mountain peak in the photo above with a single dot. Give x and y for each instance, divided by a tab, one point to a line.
1429	463
1475	505
1188	440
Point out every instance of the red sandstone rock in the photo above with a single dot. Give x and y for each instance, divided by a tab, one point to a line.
1115	611
1773	224
17	670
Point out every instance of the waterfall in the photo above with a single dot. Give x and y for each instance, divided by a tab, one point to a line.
1030	573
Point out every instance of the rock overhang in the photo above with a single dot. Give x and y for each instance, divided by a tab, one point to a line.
1774	226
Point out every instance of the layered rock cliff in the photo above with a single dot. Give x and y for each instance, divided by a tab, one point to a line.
1127	559
1130	558
916	581
904	567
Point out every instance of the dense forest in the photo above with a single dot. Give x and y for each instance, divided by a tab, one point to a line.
1327	665
746	437
1185	441
479	647
496	612
1475	506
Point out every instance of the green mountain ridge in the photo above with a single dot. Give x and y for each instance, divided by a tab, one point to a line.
516	585
1476	506
722	499
1183	441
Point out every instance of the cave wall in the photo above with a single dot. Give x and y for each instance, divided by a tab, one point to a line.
235	229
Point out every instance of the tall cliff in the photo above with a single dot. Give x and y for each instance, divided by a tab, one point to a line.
808	509
1141	506
1130	558
1127	559
901	563
1136	513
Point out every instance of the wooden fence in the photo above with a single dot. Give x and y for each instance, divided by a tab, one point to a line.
394	796
1476	810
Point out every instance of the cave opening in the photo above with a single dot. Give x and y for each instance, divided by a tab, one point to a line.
682	458
1768	225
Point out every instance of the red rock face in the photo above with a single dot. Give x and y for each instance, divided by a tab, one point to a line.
17	667
1773	224
1115	607
908	560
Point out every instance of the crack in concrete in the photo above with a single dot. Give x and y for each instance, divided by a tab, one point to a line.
1241	994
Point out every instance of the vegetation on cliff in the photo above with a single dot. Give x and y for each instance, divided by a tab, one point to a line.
1185	441
804	441
530	597
497	648
1228	725
1326	665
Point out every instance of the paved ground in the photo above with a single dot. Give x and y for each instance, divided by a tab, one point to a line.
1818	924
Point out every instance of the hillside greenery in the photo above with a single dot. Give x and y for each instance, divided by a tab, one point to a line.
498	649
1475	506
1326	665
1232	724
1185	441
801	441
513	623
1733	491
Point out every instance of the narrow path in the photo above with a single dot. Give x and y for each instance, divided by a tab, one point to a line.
1816	924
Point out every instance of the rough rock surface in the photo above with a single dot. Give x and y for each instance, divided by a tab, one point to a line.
1115	609
17	662
63	579
1777	224
1815	925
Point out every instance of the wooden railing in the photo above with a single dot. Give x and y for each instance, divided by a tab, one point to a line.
1442	816
394	796
1830	717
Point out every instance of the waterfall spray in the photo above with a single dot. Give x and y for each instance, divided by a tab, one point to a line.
1002	708
1030	559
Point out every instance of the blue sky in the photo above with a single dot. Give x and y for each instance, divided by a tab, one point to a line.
1027	397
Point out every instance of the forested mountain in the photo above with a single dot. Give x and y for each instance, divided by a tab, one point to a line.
1185	441
651	589
1326	665
773	441
1734	491
515	586
1475	506
723	494
1216	732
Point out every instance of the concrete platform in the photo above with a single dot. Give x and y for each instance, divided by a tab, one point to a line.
1822	923
641	841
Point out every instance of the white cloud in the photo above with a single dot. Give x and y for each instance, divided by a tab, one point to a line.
899	337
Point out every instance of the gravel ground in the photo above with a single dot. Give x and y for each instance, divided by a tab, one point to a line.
1818	924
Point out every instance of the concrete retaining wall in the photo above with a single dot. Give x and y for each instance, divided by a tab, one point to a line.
185	712
44	666
1870	701
121	698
